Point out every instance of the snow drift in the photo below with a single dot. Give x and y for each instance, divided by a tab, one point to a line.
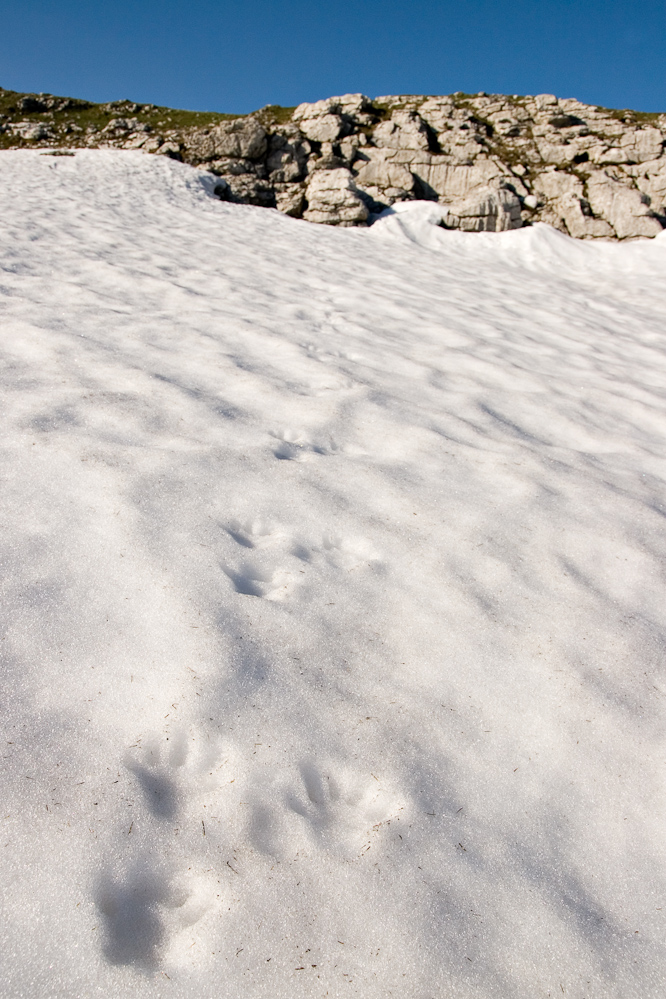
332	600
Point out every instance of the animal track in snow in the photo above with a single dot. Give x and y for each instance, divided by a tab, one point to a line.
254	533
170	771
333	808
144	909
293	445
258	581
343	553
348	553
258	577
340	808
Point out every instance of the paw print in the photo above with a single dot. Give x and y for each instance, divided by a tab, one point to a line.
255	533
340	808
144	909
260	581
171	771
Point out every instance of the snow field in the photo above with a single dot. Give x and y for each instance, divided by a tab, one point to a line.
332	599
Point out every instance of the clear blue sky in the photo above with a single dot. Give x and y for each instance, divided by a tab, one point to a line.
236	57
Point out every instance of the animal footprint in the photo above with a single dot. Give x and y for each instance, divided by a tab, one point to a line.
293	445
254	533
143	911
343	553
340	809
171	771
256	581
348	553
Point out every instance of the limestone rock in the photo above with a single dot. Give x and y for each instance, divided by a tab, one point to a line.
333	199
625	208
572	214
403	130
33	131
243	138
247	189
320	122
487	210
330	120
170	149
286	158
442	180
324	128
650	179
643	145
230	166
290	199
378	168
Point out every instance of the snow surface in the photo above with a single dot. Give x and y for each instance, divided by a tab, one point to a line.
332	600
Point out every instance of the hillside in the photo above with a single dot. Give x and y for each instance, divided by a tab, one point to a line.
331	614
492	162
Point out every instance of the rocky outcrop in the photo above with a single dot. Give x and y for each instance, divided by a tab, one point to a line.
490	161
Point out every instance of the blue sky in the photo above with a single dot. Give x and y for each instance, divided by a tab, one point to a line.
236	57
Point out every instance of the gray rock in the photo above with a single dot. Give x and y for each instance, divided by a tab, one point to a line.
33	131
170	149
334	199
286	158
544	101
625	208
243	138
246	189
403	130
487	210
378	168
650	180
324	128
290	199
232	167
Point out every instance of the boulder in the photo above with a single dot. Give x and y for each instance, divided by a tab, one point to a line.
442	180
242	138
650	179
329	120
246	189
643	144
286	158
403	130
33	131
488	210
556	184
378	168
625	208
333	198
321	121
545	101
572	214
290	199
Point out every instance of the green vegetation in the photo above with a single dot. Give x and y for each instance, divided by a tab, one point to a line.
629	116
273	114
70	120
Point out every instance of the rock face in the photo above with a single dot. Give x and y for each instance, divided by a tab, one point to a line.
492	162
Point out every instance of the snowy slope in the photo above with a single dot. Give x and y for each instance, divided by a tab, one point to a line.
332	600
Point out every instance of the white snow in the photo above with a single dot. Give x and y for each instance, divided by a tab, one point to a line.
332	600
